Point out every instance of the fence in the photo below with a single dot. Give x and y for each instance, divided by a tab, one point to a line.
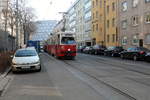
7	42
5	61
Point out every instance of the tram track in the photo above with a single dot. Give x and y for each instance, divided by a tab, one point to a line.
100	81
119	65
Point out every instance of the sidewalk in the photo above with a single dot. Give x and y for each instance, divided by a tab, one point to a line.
4	80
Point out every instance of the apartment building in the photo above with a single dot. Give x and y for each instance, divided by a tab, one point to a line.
98	22
134	23
75	21
111	22
87	22
79	9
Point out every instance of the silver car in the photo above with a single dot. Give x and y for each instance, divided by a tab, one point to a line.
26	59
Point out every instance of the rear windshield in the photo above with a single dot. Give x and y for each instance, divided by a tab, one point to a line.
68	40
24	53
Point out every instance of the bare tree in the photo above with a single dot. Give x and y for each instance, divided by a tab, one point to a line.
28	25
25	17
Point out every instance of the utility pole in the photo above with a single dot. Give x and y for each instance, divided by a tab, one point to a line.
17	22
64	20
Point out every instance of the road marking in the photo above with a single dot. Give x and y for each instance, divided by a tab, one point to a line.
10	79
38	91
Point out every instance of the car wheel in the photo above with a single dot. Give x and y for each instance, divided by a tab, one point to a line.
122	56
38	70
95	52
112	55
105	54
135	58
14	72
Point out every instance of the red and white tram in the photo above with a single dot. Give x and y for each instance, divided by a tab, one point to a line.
62	44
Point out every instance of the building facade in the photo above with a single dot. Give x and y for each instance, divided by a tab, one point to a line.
43	30
79	20
87	37
111	12
79	10
98	22
134	19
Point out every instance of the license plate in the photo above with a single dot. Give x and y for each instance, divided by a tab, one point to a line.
25	67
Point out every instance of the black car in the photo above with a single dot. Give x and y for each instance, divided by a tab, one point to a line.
147	57
87	49
113	51
135	53
98	49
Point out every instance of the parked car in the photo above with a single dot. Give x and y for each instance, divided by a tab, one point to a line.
87	49
135	53
113	51
81	48
147	57
26	59
98	49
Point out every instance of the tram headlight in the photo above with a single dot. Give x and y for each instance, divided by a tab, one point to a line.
69	49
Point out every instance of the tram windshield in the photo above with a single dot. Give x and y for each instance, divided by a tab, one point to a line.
68	40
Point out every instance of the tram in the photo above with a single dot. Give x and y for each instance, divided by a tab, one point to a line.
62	45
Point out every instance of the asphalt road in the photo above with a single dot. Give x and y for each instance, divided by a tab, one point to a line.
87	77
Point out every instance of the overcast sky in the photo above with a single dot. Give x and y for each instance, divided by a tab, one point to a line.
49	9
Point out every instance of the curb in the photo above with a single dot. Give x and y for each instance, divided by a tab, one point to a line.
5	73
4	80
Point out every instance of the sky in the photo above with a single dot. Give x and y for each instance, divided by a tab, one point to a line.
49	9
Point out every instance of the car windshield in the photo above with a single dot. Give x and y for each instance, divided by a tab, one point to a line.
111	48
68	40
131	49
96	47
24	53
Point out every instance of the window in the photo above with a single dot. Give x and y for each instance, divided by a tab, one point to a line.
96	2
108	9
124	6
107	23
135	39
100	3
147	18
107	38
96	27
147	39
135	3
96	14
135	20
93	4
101	17
124	40
113	6
124	24
147	1
113	38
93	28
113	22
93	15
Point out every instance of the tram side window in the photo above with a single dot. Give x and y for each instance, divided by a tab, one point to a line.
68	40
